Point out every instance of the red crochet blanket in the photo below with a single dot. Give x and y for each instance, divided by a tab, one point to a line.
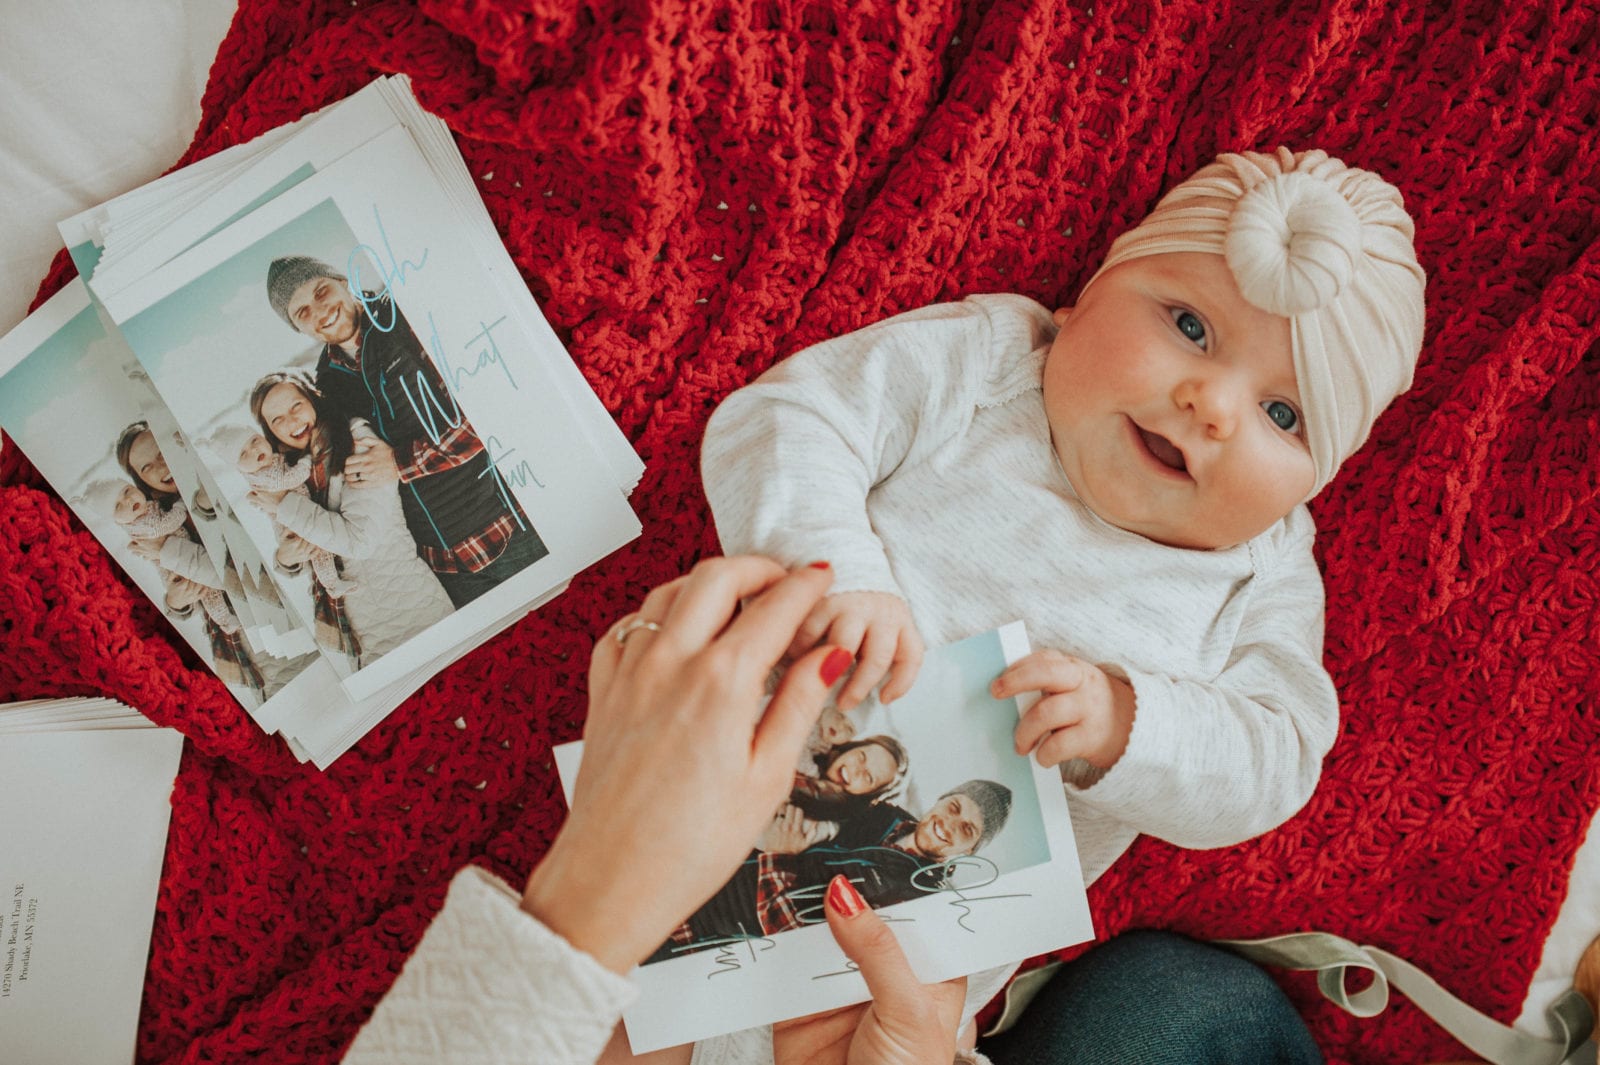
695	189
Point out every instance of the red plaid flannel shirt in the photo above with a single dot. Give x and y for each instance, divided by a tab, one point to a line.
456	447
776	907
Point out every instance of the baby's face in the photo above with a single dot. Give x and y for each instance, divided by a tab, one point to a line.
256	455
835	727
1173	405
130	506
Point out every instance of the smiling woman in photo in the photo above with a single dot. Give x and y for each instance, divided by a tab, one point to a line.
393	594
850	777
867	767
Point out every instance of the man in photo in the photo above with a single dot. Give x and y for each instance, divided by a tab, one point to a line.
894	859
465	521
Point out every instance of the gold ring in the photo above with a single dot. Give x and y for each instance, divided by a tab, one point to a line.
633	626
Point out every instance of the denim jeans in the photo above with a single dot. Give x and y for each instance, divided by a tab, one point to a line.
523	550
1155	998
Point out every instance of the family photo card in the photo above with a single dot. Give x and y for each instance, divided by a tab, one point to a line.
318	417
266	618
58	369
963	846
447	387
183	222
339	130
89	784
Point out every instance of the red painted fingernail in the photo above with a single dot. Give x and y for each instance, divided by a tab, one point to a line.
836	663
820	565
843	898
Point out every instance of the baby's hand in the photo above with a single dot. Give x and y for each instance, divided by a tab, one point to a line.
182	593
146	548
371	464
789	833
267	501
1084	712
876	627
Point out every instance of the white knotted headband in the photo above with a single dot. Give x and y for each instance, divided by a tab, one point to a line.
227	441
1325	245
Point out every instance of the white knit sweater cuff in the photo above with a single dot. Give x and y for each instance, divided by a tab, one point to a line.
490	984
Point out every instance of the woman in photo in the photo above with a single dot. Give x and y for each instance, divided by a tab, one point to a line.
185	567
853	781
393	594
850	777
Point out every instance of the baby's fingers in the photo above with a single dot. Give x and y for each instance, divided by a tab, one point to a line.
1063	745
872	662
1044	717
1042	671
812	629
907	662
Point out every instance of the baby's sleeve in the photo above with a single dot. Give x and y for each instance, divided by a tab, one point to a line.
189	560
789	459
353	531
1211	764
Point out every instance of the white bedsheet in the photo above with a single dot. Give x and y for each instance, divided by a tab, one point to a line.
100	97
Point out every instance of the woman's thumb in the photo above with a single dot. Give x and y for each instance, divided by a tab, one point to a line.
867	941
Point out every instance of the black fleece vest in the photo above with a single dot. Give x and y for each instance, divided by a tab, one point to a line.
398	389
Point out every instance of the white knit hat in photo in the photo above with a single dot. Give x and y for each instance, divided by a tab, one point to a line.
227	441
101	496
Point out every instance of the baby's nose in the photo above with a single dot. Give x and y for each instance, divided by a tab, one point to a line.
1214	401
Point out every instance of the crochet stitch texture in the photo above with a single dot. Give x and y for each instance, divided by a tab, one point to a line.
695	189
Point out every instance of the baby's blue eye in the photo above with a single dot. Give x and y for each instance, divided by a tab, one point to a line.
1283	416
1191	326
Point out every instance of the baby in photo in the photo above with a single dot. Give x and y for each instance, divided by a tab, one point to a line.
833	727
139	517
150	526
1128	475
265	470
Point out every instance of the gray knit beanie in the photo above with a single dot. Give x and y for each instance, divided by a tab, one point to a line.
289	273
994	802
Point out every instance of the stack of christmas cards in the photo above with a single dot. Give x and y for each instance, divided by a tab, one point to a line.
88	787
304	398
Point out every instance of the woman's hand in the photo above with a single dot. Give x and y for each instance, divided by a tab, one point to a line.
906	1023
372	463
877	628
293	550
182	593
1085	712
682	766
266	501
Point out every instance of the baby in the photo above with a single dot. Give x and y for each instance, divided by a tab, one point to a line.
143	520
140	518
1128	475
267	471
833	727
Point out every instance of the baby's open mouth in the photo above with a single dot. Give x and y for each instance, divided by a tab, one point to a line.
1164	450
